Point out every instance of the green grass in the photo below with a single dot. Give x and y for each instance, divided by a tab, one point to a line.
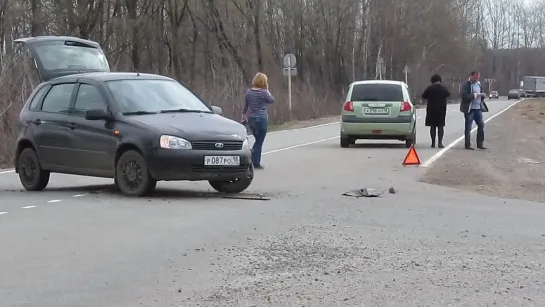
275	127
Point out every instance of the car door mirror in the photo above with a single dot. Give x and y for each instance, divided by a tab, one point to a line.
217	110
97	114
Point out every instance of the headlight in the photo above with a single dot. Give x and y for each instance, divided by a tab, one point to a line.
246	144
172	142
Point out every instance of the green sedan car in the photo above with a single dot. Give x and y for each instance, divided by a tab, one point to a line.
378	109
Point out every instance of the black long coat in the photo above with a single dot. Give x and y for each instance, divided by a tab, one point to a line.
436	108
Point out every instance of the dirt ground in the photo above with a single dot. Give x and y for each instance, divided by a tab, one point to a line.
513	166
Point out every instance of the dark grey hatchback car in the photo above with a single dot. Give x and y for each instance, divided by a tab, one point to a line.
136	128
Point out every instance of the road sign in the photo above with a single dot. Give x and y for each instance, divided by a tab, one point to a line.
288	72
290	60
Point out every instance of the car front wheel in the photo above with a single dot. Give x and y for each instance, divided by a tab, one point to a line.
234	186
132	176
31	175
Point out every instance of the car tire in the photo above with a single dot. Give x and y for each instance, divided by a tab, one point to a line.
31	175
234	186
411	140
132	176
346	141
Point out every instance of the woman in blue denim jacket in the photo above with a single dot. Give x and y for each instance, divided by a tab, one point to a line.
255	112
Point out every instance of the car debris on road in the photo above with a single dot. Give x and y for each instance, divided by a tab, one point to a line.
367	192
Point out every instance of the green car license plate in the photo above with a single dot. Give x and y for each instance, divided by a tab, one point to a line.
376	111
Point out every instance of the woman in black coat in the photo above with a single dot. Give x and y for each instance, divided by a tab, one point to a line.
436	109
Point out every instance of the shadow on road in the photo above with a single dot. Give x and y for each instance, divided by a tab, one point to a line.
378	145
74	189
110	190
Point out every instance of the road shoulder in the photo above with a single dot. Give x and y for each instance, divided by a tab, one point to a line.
513	165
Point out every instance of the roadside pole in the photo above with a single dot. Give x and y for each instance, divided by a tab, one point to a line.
490	81
289	70
406	71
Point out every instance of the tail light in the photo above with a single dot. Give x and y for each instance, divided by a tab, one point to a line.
348	106
405	106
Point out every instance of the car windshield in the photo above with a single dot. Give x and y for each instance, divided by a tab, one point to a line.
513	91
154	96
377	92
66	55
493	92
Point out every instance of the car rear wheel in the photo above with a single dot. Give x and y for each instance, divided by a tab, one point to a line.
31	175
132	176
234	186
411	140
347	141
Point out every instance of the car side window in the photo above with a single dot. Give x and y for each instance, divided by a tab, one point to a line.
35	103
57	99
88	98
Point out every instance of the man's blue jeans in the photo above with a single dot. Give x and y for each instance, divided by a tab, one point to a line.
477	116
258	125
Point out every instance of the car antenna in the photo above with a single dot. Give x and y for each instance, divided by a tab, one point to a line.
137	73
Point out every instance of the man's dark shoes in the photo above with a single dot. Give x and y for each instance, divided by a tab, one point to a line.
432	145
481	147
258	167
441	145
469	147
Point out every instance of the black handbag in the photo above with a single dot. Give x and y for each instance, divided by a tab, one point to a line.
484	107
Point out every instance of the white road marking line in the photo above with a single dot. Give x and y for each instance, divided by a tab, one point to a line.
2	213
458	140
304	128
54	201
7	172
79	195
28	207
299	145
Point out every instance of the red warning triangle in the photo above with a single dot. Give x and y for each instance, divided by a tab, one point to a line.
412	157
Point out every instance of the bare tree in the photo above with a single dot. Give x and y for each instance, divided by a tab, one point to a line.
215	46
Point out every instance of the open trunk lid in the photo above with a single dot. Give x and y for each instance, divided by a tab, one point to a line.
57	56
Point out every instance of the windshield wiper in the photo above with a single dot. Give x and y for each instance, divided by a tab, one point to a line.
184	111
139	113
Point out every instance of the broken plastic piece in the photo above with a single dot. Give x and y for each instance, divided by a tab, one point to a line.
365	192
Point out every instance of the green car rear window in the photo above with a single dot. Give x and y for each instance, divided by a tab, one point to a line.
377	92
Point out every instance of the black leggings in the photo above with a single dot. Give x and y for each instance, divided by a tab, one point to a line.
434	130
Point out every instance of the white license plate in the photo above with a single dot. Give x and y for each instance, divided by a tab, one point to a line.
376	111
222	160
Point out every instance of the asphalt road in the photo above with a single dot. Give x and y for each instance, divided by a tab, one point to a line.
80	244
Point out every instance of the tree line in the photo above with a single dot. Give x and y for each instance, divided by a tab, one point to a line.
216	46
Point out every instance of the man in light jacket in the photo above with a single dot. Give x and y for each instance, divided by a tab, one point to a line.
473	106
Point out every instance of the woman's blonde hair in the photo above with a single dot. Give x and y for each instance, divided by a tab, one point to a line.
260	81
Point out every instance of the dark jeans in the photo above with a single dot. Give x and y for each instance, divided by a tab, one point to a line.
477	116
258	125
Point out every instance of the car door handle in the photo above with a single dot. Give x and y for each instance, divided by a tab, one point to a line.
37	122
71	125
